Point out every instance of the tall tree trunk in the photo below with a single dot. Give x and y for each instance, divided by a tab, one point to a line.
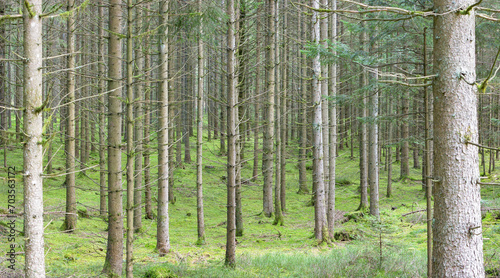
231	135
389	151
162	236
268	148
373	153
70	216
303	114
284	102
458	241
114	252
102	116
363	145
130	143
324	78
405	131
148	204
278	214
332	110
33	157
199	132
258	71
241	61
138	126
427	156
320	228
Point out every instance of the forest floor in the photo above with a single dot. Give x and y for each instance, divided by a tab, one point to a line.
393	247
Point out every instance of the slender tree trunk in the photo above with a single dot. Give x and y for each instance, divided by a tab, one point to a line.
303	115
241	61
363	146
102	116
324	78
19	100
320	228
284	112
278	214
427	168
199	133
258	71
171	128
268	154
148	204
231	136
458	240
138	126
389	152
33	157
373	154
162	236
332	110
71	216
405	151
130	143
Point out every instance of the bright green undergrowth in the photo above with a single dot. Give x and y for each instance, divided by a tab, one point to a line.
396	247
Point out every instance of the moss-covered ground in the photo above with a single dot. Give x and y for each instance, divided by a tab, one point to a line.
395	247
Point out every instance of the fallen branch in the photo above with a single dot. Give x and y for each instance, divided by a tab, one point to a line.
406	214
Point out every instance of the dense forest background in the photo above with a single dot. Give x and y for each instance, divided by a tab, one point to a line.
249	138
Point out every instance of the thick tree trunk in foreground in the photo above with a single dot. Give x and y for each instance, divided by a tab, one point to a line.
162	236
33	157
458	242
114	252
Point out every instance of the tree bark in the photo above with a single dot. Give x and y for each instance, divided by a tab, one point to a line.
303	114
102	116
130	143
373	154
268	148
320	225
33	157
363	146
199	132
332	110
141	26
405	131
114	253
458	242
230	258
148	204
162	236
71	216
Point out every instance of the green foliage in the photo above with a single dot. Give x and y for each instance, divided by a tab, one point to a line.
356	252
159	272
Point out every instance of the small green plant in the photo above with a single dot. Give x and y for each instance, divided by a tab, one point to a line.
343	181
159	272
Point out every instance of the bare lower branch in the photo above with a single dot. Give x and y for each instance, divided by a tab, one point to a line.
404	83
369	9
10	16
481	146
487	17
